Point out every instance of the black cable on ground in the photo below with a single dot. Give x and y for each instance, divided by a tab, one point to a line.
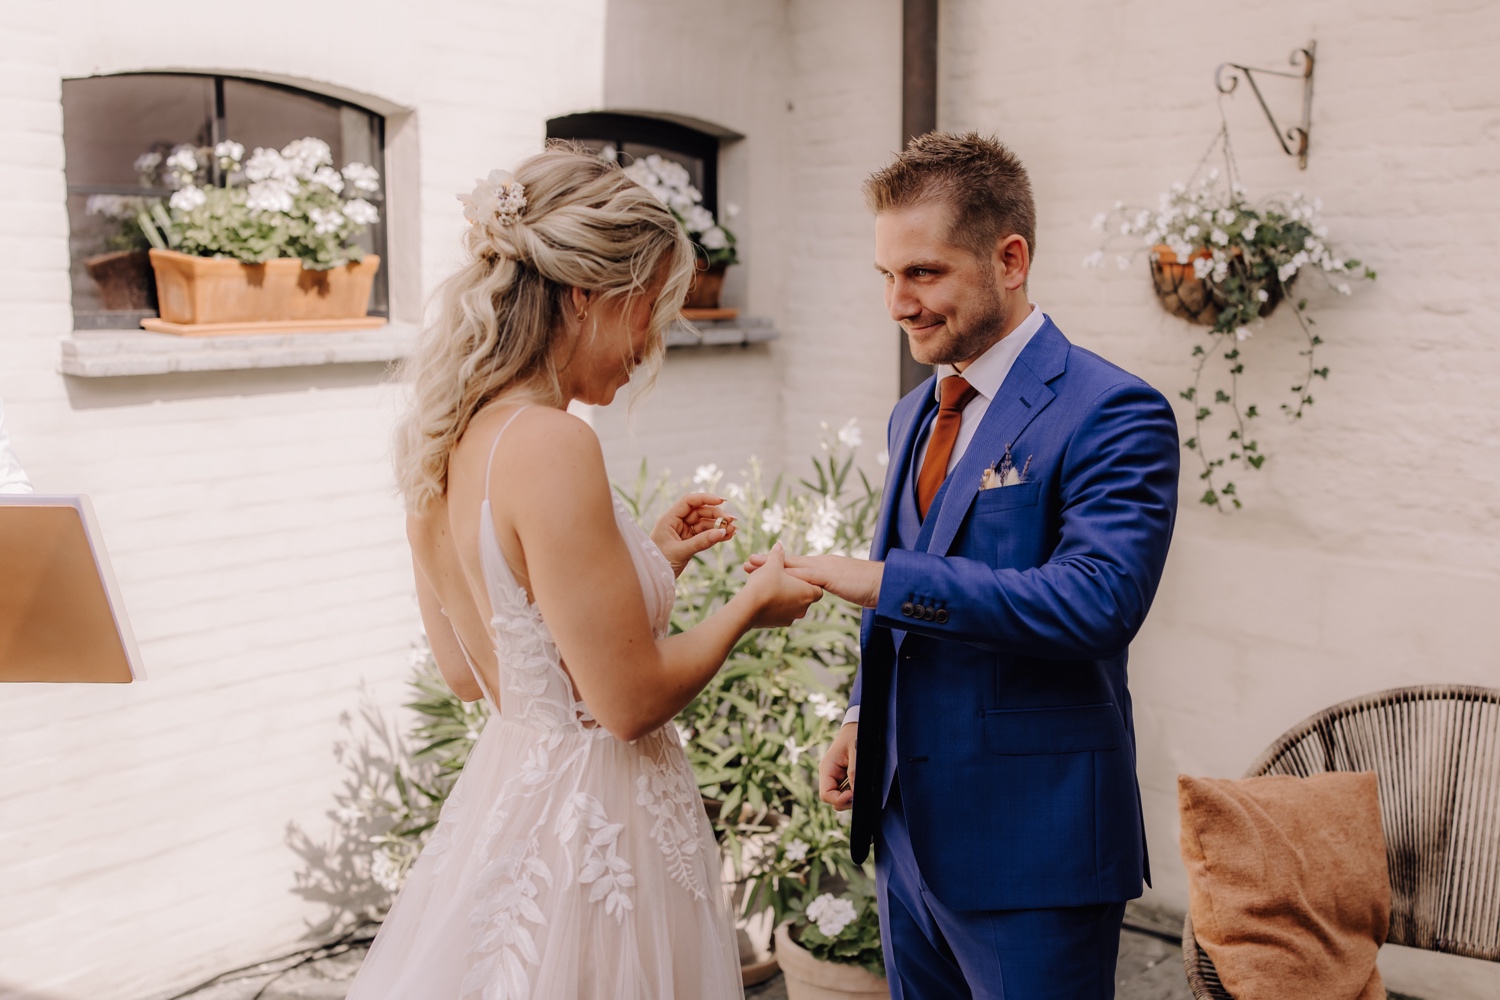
352	939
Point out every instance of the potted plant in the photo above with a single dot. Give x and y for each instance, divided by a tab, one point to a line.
272	248
123	271
713	244
1221	261
830	948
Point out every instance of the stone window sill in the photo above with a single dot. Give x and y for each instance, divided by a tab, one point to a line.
115	353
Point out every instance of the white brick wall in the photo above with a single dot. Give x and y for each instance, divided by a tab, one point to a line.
250	516
1367	556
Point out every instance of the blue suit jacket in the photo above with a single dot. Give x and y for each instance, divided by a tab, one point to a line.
1003	629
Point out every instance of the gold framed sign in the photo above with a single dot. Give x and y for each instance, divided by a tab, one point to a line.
61	616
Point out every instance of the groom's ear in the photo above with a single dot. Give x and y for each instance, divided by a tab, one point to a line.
1012	262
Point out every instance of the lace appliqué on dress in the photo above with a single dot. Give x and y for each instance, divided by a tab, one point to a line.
667	791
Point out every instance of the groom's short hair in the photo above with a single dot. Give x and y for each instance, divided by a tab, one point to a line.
982	181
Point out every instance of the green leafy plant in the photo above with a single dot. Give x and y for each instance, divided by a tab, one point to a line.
1244	258
841	928
754	736
275	203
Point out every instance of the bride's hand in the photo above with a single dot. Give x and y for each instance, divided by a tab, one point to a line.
694	524
780	598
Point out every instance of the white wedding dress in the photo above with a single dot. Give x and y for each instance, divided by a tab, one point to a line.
566	864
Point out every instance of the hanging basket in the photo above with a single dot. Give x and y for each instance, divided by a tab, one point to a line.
1184	294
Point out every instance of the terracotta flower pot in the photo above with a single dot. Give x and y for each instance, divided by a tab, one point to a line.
124	279
809	978
211	295
707	286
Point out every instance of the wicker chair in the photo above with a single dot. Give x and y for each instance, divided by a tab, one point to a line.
1436	750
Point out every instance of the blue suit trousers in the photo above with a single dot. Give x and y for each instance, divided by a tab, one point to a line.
936	953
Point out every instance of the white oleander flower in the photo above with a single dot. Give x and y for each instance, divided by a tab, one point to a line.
329	178
1248	233
737	492
326	220
773	519
361	212
364	178
707	475
825	707
793	751
831	913
714	238
188	198
823	532
849	434
796	850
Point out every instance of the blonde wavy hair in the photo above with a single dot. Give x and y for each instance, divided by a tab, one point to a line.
498	326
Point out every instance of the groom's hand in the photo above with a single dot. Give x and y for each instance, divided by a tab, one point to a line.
855	580
836	769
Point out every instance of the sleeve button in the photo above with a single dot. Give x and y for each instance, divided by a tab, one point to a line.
942	617
907	609
928	613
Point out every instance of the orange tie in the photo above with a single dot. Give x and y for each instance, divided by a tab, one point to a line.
953	395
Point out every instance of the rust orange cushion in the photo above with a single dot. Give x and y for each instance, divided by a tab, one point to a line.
1287	883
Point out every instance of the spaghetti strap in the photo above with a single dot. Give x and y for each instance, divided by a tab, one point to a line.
490	465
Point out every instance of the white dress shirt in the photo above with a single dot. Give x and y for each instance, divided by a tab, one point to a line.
12	476
986	374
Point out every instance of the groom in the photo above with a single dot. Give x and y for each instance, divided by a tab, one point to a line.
1028	506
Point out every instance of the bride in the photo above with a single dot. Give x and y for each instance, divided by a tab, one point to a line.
573	859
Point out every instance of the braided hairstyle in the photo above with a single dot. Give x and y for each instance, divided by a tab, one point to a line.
497	326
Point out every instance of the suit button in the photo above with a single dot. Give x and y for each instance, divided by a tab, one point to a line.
942	617
928	613
907	609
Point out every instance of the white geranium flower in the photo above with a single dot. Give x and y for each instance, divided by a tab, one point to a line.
265	164
1219	237
326	220
707	475
713	238
364	178
274	195
329	178
1261	295
147	163
183	158
796	850
1221	270
849	434
1226	216
831	913
1202	266
306	155
1191	232
698	219
1286	271
361	212
230	150
188	198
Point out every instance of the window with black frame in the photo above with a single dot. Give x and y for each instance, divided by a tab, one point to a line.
119	131
627	137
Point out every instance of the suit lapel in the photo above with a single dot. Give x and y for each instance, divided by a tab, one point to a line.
1022	396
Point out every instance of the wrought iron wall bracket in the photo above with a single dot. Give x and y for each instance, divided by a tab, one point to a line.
1293	140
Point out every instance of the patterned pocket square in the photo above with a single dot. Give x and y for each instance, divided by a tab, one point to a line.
1004	472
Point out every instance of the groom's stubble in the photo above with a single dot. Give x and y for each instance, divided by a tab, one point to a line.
990	320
